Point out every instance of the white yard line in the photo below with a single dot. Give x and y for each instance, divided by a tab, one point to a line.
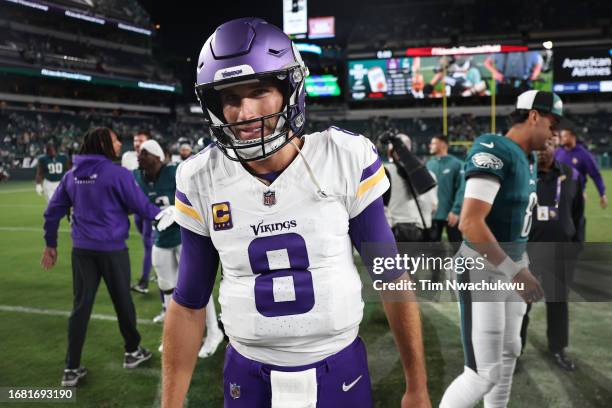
63	313
95	316
41	205
17	190
29	229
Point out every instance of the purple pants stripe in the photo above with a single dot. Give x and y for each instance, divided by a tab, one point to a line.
343	379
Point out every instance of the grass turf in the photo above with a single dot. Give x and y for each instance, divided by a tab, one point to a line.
33	345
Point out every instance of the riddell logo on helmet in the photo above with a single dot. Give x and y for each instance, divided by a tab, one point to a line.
227	74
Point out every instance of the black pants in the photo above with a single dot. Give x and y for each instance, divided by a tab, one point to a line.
557	326
408	232
87	268
554	265
437	227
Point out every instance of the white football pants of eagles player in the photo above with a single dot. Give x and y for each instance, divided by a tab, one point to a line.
49	188
166	261
491	342
166	264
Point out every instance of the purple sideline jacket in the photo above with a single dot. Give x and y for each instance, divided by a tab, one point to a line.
583	161
102	195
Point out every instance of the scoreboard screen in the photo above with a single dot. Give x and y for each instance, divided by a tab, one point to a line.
420	77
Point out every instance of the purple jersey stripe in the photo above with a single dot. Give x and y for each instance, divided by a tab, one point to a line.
183	198
370	170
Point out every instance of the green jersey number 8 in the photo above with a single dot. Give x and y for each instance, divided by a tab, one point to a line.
533	200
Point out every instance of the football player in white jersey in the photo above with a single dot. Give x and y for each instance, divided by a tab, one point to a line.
282	211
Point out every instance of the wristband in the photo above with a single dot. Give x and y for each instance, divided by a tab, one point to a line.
508	267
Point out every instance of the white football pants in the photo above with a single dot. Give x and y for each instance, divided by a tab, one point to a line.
166	262
490	332
49	188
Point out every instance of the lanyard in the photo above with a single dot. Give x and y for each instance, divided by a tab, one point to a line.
558	191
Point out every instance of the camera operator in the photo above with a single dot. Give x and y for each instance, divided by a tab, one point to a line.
410	219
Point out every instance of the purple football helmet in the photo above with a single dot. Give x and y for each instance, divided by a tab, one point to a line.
242	51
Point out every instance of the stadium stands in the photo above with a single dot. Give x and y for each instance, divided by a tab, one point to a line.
24	130
395	23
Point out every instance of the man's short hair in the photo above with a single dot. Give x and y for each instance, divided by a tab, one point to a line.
566	124
143	132
519	116
441	138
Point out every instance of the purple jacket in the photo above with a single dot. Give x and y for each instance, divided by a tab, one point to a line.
583	161
102	195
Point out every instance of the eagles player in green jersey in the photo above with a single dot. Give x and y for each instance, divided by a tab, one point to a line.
158	181
500	194
51	168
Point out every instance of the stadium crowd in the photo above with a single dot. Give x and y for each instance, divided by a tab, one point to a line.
24	131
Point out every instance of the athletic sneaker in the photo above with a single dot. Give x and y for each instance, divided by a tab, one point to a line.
211	342
71	377
161	348
133	360
160	317
141	287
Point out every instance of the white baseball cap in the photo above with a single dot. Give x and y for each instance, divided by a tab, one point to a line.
154	148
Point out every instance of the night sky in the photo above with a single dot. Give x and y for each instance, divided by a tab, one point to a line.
184	27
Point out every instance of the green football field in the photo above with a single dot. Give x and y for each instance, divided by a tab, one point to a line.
34	305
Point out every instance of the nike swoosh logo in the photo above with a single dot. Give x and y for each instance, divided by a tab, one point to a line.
345	387
489	145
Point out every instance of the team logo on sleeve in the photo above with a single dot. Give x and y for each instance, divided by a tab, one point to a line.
222	216
487	161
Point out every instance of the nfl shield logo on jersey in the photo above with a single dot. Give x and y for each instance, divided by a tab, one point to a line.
234	390
269	198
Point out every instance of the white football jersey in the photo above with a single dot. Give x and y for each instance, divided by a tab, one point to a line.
290	293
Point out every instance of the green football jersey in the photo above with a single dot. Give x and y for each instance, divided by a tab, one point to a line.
161	193
511	213
54	168
449	175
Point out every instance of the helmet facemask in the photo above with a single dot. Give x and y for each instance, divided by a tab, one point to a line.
289	124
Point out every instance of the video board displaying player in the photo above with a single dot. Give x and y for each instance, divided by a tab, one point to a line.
456	75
